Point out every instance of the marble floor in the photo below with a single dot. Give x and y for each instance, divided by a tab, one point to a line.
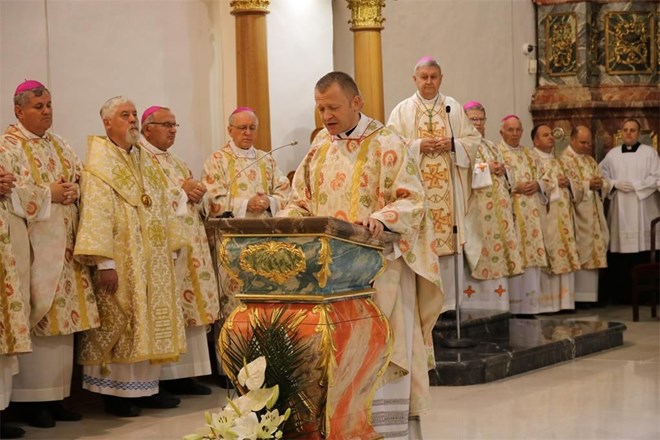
608	395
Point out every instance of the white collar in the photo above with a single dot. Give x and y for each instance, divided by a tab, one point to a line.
359	129
250	153
150	148
439	98
546	155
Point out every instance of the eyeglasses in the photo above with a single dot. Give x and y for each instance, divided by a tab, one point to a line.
474	120
245	127
168	125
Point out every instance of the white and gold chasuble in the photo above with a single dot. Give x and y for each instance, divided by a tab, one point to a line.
14	305
372	174
61	296
557	219
521	166
591	232
248	171
491	246
126	217
194	268
417	118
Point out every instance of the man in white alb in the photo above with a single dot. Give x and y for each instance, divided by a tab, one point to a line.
425	122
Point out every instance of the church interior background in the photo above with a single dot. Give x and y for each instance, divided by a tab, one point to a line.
561	62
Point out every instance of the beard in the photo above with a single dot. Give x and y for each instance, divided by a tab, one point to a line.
133	135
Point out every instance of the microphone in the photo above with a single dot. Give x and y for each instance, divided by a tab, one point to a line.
453	145
229	213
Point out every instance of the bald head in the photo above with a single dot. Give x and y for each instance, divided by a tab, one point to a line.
581	140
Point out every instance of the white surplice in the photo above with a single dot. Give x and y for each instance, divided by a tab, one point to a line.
630	213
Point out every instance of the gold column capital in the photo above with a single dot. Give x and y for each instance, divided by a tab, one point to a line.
366	14
249	6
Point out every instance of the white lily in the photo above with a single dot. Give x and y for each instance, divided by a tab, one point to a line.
238	420
247	427
270	423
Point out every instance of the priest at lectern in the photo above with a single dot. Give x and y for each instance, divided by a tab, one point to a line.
360	171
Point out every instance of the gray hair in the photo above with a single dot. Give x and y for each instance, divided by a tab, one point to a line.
426	62
108	108
150	118
22	98
256	118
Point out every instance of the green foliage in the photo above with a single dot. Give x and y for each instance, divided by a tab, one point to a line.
277	338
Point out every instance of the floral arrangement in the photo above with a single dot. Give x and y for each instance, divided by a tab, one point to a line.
250	416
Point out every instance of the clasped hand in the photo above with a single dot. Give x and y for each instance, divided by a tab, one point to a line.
259	203
624	186
435	145
596	183
7	182
63	192
496	168
194	189
563	181
108	280
527	188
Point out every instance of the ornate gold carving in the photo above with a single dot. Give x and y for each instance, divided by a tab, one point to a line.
593	44
366	14
561	46
383	266
628	42
309	298
327	361
224	261
325	258
274	260
249	6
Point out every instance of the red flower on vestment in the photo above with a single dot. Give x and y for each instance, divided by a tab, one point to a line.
188	296
31	208
390	158
338	181
391	216
402	193
341	215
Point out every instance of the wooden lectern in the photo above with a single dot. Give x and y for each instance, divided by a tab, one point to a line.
311	279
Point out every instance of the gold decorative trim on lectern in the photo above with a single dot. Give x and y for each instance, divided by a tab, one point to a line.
273	260
313	298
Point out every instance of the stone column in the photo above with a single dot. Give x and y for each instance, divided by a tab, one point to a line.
366	23
252	63
598	65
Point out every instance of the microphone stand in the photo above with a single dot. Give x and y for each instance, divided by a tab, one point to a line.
229	213
457	342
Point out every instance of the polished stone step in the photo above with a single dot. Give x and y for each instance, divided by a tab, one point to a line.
506	346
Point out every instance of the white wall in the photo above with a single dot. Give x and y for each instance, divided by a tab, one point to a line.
154	52
165	52
299	53
477	43
180	53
